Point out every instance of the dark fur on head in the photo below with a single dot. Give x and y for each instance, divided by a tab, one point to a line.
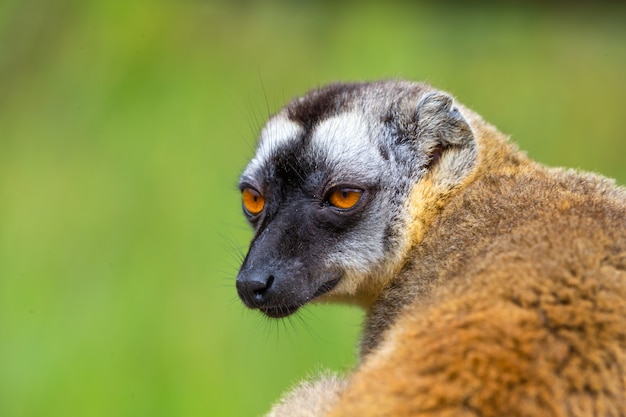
378	138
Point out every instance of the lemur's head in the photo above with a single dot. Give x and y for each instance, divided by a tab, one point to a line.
331	192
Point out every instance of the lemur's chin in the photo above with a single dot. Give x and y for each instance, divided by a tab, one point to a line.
279	312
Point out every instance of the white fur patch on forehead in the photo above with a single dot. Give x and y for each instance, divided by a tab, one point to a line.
346	142
277	132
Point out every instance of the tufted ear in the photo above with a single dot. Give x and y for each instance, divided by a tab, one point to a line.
446	137
440	122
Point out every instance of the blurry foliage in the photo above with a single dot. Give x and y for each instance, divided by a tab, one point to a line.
123	129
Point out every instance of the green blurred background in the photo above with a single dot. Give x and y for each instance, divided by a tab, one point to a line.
124	126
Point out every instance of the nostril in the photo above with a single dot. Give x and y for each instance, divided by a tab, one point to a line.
253	290
260	290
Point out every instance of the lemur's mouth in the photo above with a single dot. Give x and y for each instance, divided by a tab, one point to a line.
280	311
325	287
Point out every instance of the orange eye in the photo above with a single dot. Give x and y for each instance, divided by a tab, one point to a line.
344	198
253	202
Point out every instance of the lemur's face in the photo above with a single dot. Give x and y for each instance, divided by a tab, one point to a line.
326	195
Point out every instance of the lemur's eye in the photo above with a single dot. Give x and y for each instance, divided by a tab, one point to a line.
344	198
253	202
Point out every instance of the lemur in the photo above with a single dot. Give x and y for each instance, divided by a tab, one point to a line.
492	285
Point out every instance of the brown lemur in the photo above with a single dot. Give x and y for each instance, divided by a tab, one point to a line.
492	285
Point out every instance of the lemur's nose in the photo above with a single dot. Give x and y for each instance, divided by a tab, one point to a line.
252	290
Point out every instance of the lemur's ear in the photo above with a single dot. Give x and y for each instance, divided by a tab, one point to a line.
439	121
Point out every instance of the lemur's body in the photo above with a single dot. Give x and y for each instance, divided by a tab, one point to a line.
492	285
